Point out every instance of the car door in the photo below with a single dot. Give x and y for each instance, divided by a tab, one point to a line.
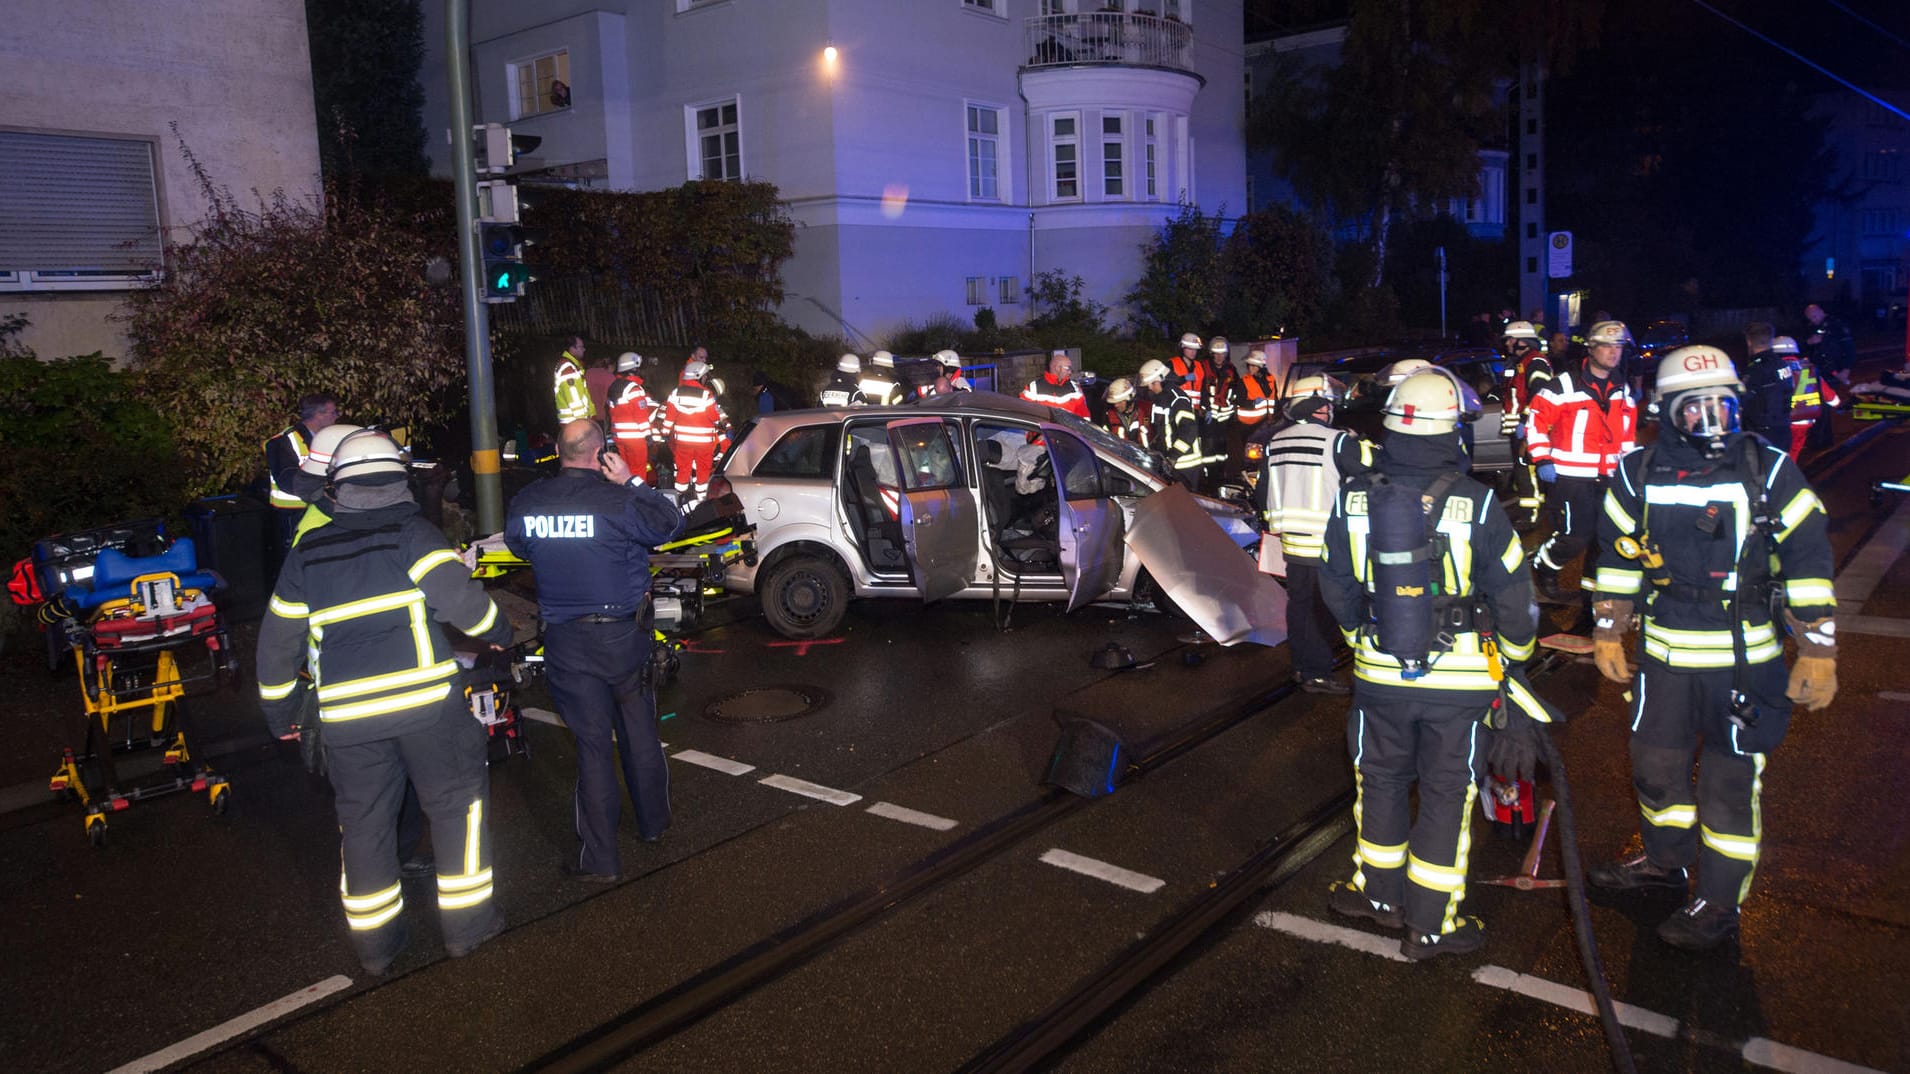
1091	533
940	523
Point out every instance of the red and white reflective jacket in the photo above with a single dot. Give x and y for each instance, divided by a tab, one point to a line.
1062	394
692	417
1581	424
630	409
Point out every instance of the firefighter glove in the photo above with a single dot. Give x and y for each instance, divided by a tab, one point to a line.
1514	753
1813	681
1609	655
1815	638
1611	619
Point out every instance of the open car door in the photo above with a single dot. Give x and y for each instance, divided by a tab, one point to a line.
1091	529
941	531
1204	572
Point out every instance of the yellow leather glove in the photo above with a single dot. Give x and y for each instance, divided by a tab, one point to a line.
1813	681
1611	618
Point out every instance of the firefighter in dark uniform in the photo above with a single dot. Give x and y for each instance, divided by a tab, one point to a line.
1691	528
1174	422
844	387
367	592
1422	569
587	533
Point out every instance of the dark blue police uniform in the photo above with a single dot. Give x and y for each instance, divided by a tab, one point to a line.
589	541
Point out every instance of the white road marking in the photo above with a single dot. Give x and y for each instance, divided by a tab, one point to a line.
910	816
1769	1053
1873	624
225	1031
1574	999
1891	695
1101	870
541	715
809	790
710	760
1866	570
1308	929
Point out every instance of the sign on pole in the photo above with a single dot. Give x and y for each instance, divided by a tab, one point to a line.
1558	255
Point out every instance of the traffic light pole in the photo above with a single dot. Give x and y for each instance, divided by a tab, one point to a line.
485	473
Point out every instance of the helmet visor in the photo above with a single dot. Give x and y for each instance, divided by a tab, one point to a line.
1706	414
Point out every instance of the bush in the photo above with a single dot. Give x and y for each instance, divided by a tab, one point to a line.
1278	275
941	331
1182	282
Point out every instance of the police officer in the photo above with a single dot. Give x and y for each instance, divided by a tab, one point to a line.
844	387
285	452
1305	464
368	591
1810	393
1768	383
1426	577
1689	530
587	533
1174	422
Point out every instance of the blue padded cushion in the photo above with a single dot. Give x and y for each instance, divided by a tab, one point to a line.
114	571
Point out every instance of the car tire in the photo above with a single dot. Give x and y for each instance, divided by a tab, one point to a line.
804	596
1147	590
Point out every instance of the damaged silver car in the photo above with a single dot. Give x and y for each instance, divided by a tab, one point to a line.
982	496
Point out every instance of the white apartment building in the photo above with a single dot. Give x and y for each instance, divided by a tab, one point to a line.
935	154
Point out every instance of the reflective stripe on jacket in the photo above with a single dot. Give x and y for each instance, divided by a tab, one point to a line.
691	415
1306	463
573	397
279	495
1568	427
630	409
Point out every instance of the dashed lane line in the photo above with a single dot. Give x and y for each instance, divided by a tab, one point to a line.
809	790
1758	1050
711	761
1100	870
225	1031
911	816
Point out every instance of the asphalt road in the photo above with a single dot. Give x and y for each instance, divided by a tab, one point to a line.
937	726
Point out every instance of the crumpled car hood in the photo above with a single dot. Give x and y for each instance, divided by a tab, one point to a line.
1204	572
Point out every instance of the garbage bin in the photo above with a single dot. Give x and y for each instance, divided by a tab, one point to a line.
231	532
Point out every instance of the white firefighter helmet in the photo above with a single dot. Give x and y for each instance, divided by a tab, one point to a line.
883	359
1609	332
1302	393
629	362
694	369
366	453
948	359
1522	330
1256	359
1153	371
318	458
1430	402
1190	340
1784	345
1698	391
1394	372
848	363
716	386
1697	366
1120	390
1218	345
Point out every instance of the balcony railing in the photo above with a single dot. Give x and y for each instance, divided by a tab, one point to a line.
1109	37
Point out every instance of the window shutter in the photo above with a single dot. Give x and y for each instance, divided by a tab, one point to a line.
73	204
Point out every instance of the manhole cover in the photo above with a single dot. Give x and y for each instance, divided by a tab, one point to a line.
767	704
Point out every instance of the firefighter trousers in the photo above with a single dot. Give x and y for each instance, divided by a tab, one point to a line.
1712	821
1415	863
599	677
445	761
1577	501
1311	631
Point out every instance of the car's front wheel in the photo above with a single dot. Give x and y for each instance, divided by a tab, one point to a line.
804	596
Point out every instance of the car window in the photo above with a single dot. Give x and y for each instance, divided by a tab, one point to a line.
804	452
1076	467
925	456
872	440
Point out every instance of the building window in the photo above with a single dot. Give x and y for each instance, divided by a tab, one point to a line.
691	5
1531	162
1532	195
1880	221
1151	151
978	290
1531	264
1174	9
984	153
77	213
1246	79
1065	145
716	135
1008	290
1113	174
1250	202
1884	164
540	85
1531	231
1054	7
992	7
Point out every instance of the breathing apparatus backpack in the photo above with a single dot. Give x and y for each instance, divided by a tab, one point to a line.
1410	613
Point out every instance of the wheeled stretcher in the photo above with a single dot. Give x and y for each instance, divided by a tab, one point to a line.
144	632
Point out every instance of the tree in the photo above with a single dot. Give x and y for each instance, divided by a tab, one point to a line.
263	306
366	55
1182	282
1278	275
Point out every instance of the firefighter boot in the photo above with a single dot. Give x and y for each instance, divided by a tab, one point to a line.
1348	901
1468	935
1700	926
1635	874
1545	580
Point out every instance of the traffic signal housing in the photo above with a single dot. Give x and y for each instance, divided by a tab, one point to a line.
505	274
501	234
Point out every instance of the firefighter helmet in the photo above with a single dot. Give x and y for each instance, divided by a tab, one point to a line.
318	457
1120	390
1696	366
1153	371
366	454
848	363
1609	332
1522	330
948	359
1430	402
629	362
716	386
694	369
1190	340
1256	358
1305	395
1218	346
1698	394
1390	376
883	359
1784	345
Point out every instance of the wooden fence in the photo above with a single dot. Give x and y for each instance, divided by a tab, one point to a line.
558	307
